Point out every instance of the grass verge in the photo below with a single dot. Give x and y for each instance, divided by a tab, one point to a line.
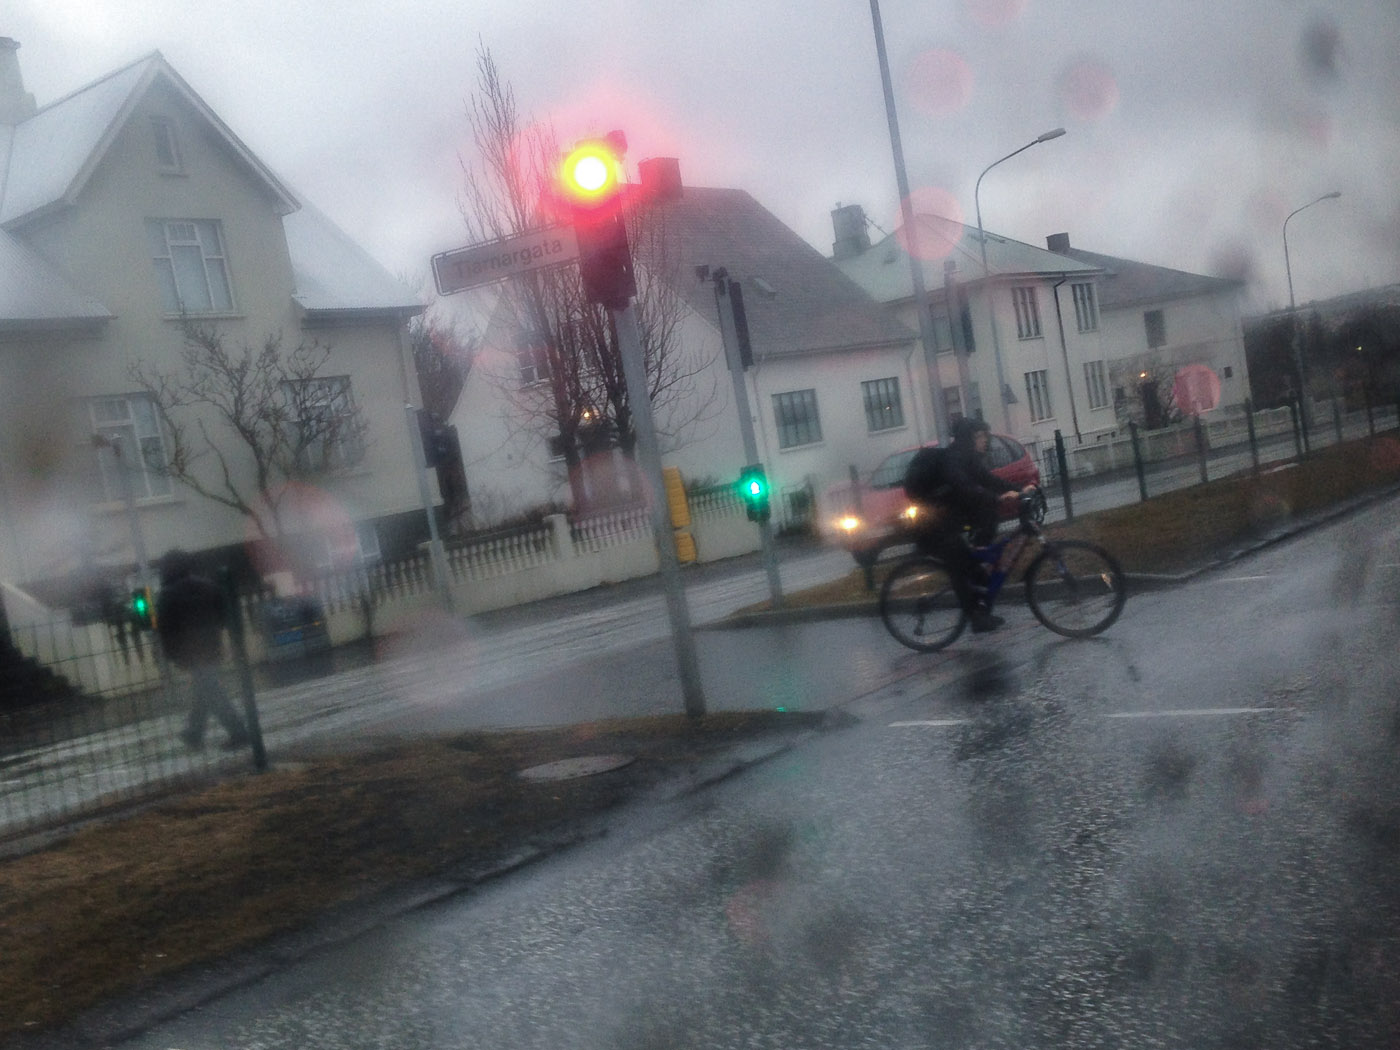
118	904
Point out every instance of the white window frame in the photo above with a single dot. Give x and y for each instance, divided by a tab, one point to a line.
335	440
532	363
1086	306
131	424
1038	396
797	418
1027	311
1096	379
883	408
191	266
167	146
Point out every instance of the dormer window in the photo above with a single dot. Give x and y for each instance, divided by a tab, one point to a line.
167	146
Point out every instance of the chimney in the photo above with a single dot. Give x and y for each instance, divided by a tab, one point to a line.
1057	242
852	237
16	104
661	179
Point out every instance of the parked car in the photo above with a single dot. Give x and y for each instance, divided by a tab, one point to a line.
293	627
874	514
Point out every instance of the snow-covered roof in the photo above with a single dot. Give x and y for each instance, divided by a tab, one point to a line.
47	159
883	268
54	151
334	274
35	295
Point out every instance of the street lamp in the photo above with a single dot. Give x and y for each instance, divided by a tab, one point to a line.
1003	389
1292	307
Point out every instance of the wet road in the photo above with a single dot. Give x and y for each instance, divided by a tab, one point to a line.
1185	833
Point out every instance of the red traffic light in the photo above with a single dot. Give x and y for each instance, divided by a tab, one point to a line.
591	175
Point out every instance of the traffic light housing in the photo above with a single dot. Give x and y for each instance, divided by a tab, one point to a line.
143	610
590	181
753	490
441	446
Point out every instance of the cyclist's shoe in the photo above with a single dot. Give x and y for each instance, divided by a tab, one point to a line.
983	621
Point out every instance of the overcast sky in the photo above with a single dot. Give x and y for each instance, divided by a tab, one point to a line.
1194	126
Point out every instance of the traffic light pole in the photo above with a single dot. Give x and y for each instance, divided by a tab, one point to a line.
629	342
435	552
729	335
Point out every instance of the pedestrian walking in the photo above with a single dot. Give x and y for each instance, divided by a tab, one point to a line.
191	615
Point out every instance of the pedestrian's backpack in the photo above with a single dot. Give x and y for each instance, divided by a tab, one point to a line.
925	479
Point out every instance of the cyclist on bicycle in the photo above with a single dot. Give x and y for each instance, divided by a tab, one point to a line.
968	496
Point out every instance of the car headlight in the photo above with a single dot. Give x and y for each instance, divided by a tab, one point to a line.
910	513
848	523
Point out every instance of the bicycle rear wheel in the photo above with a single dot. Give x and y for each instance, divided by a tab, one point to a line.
919	606
1075	588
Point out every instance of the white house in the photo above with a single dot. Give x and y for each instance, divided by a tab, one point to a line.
1077	342
126	207
835	378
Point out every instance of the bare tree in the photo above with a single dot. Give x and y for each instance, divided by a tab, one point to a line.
262	416
564	383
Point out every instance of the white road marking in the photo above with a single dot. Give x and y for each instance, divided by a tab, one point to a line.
1196	712
1241	579
933	722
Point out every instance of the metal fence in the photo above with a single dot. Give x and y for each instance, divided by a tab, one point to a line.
96	726
1136	464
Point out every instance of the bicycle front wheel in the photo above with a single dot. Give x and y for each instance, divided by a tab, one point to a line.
1075	588
919	606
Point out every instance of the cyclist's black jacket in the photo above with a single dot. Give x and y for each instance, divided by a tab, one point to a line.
971	490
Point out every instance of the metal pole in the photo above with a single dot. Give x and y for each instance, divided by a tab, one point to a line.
1253	439
435	551
1062	461
1137	460
629	344
1201	449
1292	310
916	266
238	637
729	336
1002	388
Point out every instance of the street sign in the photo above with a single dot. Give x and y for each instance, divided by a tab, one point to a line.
478	264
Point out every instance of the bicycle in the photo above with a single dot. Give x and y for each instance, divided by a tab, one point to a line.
1075	588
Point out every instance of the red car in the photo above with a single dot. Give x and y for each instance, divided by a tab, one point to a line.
876	514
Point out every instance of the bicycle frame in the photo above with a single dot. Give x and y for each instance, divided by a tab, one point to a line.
1011	545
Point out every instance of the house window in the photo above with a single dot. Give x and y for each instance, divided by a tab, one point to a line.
883	410
190	265
130	425
952	402
1038	395
1096	379
1086	307
329	430
533	362
796	415
1027	312
1156	328
168	157
1227	372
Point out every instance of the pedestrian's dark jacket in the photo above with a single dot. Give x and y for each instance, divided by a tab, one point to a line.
190	617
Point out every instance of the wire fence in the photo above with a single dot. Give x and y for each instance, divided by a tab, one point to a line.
1137	464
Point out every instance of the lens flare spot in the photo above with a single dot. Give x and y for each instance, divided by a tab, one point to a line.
938	220
939	82
994	14
1088	89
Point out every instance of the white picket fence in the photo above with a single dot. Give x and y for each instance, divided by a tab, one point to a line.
491	572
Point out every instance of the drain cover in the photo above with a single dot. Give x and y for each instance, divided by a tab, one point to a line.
569	768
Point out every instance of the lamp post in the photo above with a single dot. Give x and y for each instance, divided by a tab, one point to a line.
1002	388
1292	308
916	265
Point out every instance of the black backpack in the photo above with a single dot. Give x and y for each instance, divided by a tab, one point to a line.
925	479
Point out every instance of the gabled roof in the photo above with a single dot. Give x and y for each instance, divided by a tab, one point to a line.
53	153
47	159
1130	283
883	268
334	274
795	299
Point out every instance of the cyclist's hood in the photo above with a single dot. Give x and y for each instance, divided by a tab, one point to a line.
965	429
